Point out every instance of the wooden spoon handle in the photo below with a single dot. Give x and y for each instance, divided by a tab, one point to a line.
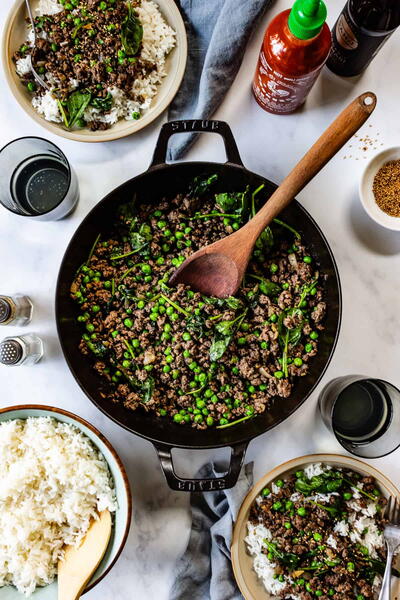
330	142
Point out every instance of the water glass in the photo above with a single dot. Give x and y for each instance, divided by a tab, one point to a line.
36	180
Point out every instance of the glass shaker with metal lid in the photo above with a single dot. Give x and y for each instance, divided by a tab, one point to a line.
21	350
15	310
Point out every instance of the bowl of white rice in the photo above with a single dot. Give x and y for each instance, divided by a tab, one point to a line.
57	473
256	571
163	52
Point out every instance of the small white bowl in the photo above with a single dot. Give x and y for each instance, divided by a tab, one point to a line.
366	188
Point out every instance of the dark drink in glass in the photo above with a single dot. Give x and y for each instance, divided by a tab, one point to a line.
360	31
36	180
363	413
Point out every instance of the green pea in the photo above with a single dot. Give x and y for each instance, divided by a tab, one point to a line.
166	369
175	374
241	341
54	47
263	345
186	336
278	374
314	335
140	304
300	582
307	259
235	225
317	536
319	593
332	592
285	286
288	525
210	421
302	511
308	347
178	418
308	587
126	364
251	389
347	495
23	49
262	387
214	399
223	421
288	504
198	419
90	327
277	505
95	308
31	86
103	5
273	318
114	333
128	322
350	567
359	596
297	361
279	483
273	268
135	343
146	269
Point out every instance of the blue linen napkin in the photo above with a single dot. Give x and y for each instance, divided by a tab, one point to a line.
204	572
218	31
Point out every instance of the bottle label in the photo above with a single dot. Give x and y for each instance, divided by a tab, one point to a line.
281	93
345	35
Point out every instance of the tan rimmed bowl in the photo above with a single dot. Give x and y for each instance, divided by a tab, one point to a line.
250	585
122	516
15	33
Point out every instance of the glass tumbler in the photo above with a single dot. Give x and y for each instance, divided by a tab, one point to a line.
363	413
36	180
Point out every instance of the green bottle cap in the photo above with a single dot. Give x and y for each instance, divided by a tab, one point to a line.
307	18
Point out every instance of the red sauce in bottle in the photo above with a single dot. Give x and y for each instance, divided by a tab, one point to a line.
288	64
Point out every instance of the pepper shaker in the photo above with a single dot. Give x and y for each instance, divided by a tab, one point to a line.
21	350
15	310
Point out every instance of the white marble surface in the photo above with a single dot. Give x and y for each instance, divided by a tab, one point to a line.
367	256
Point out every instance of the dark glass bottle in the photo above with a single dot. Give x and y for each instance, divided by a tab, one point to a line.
360	31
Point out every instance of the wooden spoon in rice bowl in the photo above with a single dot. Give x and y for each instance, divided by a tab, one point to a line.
80	562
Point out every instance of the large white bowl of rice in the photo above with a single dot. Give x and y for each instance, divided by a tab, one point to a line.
57	473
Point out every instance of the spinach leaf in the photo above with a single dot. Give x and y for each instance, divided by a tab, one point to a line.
232	302
103	104
236	203
288	559
98	348
219	346
76	106
267	287
131	32
265	241
201	184
195	323
143	388
139	238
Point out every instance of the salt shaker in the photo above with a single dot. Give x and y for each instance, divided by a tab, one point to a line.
21	350
15	310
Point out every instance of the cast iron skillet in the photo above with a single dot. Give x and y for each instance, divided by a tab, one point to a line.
160	180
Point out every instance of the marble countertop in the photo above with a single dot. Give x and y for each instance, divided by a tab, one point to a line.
367	257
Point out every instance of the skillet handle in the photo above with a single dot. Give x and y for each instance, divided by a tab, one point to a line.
201	485
188	126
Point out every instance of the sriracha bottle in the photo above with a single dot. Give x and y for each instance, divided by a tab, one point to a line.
295	47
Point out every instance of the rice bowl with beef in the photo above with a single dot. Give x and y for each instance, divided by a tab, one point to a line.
103	61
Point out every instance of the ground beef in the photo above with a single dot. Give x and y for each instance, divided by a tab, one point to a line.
201	361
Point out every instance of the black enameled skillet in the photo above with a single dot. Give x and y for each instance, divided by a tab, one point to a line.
160	180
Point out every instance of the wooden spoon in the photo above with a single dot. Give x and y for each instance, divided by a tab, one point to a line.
218	269
79	563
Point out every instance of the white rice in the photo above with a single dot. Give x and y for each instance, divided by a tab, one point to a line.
53	482
23	65
158	41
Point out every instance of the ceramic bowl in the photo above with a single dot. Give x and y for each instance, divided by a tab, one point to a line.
247	580
122	516
366	193
15	34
